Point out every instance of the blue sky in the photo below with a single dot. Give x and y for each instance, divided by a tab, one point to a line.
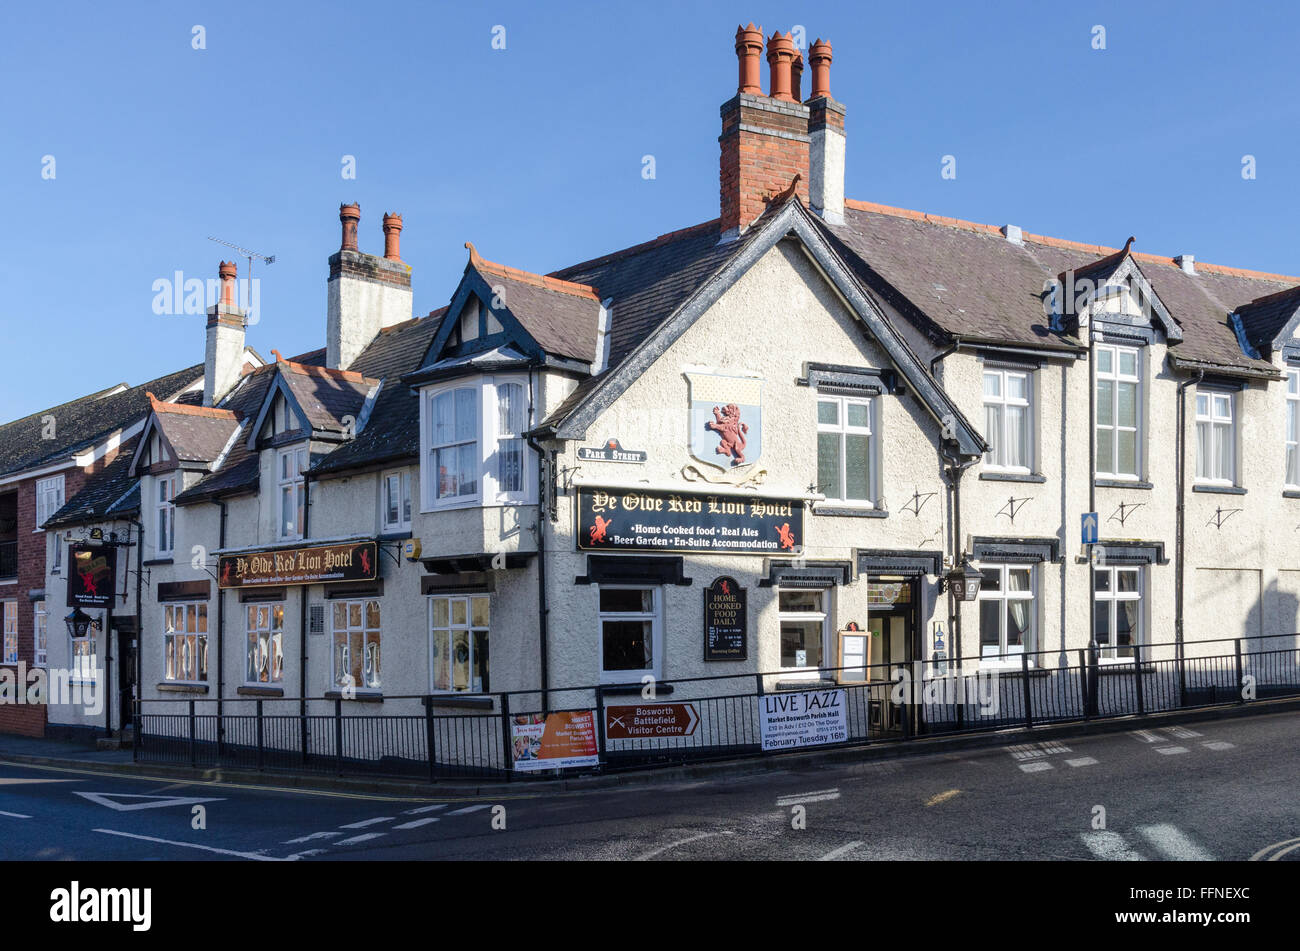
534	152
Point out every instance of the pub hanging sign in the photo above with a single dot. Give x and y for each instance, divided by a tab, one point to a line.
642	520
726	621
90	583
319	564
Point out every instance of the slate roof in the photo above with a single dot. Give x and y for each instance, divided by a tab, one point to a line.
238	474
196	433
561	315
1264	318
82	423
112	491
327	396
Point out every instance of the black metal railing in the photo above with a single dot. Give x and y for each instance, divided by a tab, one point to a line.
880	703
8	559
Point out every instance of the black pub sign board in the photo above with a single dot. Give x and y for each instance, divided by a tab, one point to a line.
652	520
726	621
90	583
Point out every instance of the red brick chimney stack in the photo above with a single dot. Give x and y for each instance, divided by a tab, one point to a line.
227	272
349	215
749	46
764	142
392	236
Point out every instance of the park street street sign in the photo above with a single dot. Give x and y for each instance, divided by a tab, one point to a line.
650	720
1090	523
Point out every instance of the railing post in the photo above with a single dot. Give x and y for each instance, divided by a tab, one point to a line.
507	746
1024	678
139	730
428	739
600	726
1083	683
1241	693
193	752
302	730
1094	683
758	709
260	735
338	735
1137	679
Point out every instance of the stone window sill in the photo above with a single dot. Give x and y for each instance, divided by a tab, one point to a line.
1220	489
848	511
358	697
469	701
256	690
995	476
1121	484
158	561
169	687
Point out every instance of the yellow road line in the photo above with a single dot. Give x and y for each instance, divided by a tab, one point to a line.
942	797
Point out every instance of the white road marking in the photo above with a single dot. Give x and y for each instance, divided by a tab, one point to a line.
1109	846
1283	847
364	837
469	809
1146	736
314	835
302	855
416	812
1035	767
415	824
1171	750
1182	733
672	845
1082	761
255	856
367	822
836	853
1035	750
1174	844
14	815
152	802
817	795
1218	745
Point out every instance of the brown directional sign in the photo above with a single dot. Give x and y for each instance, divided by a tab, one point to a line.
649	720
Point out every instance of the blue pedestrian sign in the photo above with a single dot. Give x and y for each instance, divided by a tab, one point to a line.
1090	528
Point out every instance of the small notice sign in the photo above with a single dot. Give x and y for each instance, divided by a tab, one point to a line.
612	451
726	621
808	718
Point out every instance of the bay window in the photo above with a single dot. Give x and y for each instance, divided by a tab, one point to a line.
1006	601
458	643
265	654
357	631
630	633
291	492
1118	616
1008	420
1216	440
185	642
1118	407
474	449
845	448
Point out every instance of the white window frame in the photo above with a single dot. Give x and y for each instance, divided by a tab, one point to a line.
1115	377
654	616
82	663
842	428
469	628
56	565
296	484
823	616
40	634
164	510
403	482
488	433
1221	426
9	646
1112	599
369	635
49	499
1292	430
264	643
177	643
996	459
1006	656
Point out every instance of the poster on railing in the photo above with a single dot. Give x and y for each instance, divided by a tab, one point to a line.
808	718
554	740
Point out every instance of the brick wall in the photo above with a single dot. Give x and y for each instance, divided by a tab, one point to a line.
764	144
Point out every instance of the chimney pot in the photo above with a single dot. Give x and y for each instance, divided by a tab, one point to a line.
227	272
349	215
796	76
749	46
780	55
392	236
820	58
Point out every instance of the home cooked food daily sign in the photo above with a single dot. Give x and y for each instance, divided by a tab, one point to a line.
635	520
322	563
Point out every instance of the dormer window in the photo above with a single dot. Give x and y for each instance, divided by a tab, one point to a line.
474	448
292	491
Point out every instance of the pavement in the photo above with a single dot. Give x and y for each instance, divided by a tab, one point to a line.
1214	789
